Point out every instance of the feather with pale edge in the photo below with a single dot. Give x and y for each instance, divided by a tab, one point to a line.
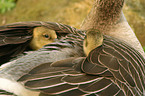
112	69
15	37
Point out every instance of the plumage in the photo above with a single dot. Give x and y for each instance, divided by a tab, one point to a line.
5	93
66	47
17	37
90	44
107	16
119	72
88	76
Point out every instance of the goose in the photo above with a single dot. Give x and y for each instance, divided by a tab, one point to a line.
107	16
90	44
110	65
79	76
17	37
67	47
111	68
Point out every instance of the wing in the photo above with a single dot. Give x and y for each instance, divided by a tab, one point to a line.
122	61
113	69
14	38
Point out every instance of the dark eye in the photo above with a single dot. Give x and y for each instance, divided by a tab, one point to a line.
46	35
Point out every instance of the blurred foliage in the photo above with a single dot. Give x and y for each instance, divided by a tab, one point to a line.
134	11
6	5
71	12
144	48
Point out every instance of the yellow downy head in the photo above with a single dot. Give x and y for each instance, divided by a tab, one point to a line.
93	39
41	37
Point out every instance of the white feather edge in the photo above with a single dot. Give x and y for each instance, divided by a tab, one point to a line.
16	88
6	64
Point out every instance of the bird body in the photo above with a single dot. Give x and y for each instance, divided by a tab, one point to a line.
9	75
112	69
62	49
113	65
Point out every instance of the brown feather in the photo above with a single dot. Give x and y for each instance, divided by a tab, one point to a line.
15	37
111	69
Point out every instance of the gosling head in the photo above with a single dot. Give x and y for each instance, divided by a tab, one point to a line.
93	39
41	37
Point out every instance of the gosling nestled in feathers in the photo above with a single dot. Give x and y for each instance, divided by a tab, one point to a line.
18	37
93	39
42	36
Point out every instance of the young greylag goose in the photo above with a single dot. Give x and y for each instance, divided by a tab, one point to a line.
17	37
107	16
92	43
112	68
68	46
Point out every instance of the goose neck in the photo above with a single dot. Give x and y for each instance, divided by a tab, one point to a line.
108	11
103	14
